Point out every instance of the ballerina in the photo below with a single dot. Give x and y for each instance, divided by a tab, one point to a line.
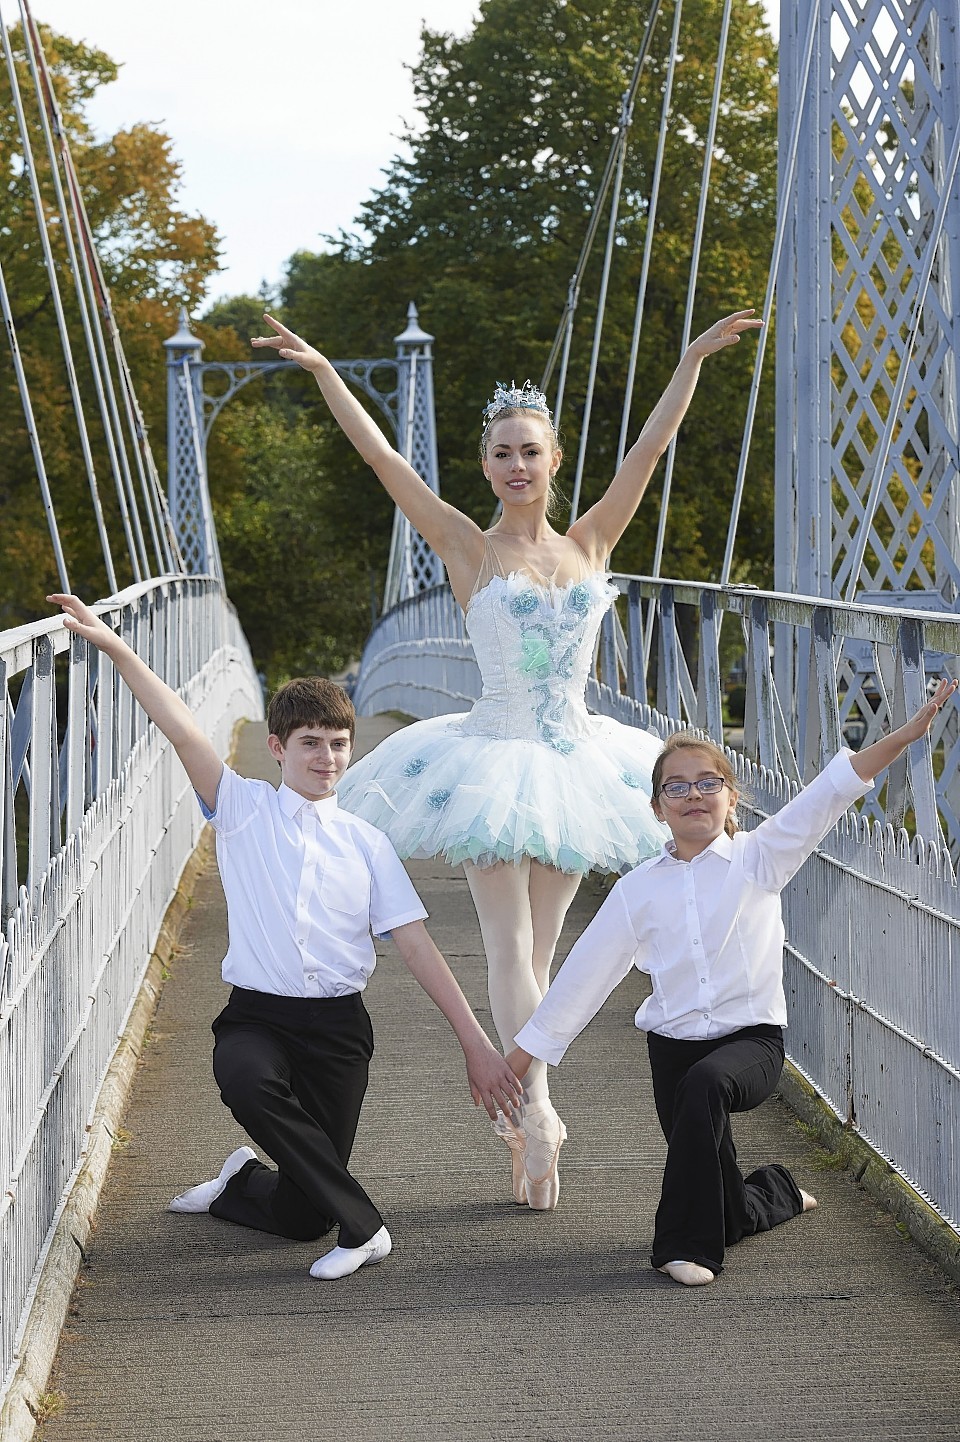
527	790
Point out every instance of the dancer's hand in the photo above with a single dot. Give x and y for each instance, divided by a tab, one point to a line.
493	1085
82	621
519	1061
724	332
289	346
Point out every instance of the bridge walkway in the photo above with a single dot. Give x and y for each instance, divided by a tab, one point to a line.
488	1321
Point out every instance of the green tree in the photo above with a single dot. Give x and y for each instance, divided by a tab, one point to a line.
155	256
482	219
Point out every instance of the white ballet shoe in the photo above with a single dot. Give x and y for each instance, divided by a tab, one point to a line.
809	1202
510	1133
344	1260
543	1136
201	1197
689	1274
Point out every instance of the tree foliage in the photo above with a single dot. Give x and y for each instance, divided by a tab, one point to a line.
482	219
155	257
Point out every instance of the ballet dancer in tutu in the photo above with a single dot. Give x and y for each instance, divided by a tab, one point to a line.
527	790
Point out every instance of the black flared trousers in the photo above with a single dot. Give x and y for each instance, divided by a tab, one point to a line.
293	1071
706	1203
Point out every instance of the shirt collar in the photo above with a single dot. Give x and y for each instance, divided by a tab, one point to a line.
721	846
292	803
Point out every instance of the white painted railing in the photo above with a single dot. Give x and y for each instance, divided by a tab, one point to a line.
97	821
872	965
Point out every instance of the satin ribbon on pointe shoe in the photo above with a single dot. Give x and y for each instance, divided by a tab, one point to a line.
543	1134
514	1138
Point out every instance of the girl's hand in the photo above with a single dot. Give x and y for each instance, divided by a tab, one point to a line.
724	332
920	724
81	620
519	1061
289	346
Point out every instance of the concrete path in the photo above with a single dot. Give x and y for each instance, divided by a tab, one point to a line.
488	1323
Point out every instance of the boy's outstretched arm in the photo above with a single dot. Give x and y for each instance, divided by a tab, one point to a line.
163	706
869	762
492	1083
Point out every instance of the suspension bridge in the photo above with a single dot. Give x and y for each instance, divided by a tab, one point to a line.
99	829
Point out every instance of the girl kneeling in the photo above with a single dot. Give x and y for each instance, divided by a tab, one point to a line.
704	919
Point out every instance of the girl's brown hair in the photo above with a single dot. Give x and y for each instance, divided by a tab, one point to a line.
690	741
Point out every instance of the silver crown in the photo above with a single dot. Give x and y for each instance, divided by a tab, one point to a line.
527	397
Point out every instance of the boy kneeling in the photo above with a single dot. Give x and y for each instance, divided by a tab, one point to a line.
305	883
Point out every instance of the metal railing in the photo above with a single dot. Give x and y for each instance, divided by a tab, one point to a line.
873	919
97	821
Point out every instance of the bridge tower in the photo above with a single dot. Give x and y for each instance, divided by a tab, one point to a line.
406	404
868	331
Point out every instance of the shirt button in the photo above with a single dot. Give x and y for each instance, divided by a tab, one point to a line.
706	1016
703	981
696	941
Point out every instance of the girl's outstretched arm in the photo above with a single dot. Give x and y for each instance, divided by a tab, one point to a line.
447	530
869	762
599	529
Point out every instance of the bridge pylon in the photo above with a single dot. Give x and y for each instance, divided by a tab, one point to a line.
406	404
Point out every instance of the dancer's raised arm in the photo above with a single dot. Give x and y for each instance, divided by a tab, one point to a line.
599	529
451	534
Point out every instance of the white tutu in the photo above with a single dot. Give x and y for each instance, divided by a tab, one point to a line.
527	772
438	792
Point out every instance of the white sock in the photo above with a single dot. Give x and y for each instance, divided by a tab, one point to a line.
201	1197
690	1274
344	1260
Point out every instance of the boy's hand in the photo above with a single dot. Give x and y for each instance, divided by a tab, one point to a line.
492	1084
84	622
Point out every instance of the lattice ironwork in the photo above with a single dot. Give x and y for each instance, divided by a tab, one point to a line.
406	402
881	117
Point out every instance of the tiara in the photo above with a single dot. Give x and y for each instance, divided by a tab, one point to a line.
527	397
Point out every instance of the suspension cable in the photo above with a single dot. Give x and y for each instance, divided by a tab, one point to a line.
626	116
30	168
691	294
648	238
562	339
93	335
161	528
879	474
783	210
32	433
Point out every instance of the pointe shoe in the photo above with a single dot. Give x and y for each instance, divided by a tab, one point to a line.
543	1136
514	1138
342	1261
808	1202
201	1197
689	1274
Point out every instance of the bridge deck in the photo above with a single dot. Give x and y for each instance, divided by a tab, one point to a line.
488	1321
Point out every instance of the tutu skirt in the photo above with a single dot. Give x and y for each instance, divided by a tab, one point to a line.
438	791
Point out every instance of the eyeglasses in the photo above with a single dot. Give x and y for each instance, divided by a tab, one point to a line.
707	786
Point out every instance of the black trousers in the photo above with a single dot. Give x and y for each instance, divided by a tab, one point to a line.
706	1202
293	1071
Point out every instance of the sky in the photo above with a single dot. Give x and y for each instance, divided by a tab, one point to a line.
283	115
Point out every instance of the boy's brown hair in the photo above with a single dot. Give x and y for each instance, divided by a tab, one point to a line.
310	701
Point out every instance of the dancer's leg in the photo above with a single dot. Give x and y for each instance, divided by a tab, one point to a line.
501	895
551	894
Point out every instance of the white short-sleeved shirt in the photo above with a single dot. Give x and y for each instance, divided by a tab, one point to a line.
709	931
305	884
